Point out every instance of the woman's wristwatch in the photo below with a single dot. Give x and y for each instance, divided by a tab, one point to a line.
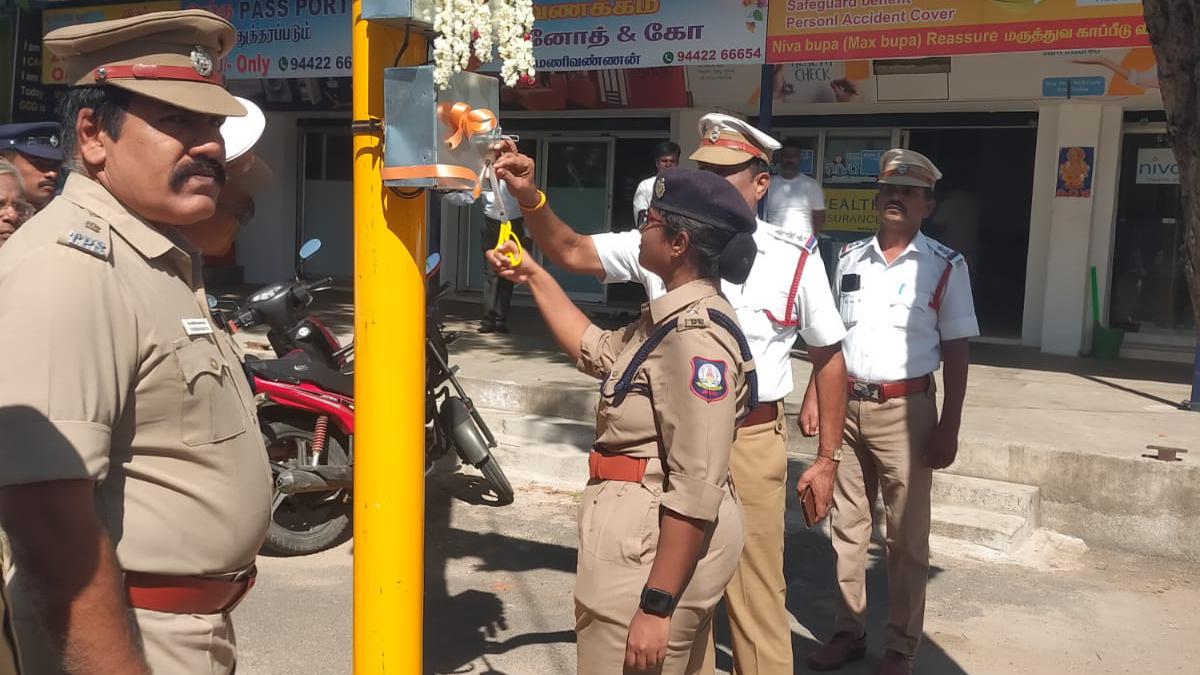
657	602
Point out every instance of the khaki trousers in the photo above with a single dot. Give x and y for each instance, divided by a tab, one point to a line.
887	440
8	642
618	540
756	597
188	643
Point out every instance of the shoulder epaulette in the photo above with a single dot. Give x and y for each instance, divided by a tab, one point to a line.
853	246
90	236
951	256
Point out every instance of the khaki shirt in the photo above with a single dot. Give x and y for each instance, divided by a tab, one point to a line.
114	372
685	398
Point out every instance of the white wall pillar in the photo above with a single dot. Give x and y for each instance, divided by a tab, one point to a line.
1065	310
1104	210
1045	158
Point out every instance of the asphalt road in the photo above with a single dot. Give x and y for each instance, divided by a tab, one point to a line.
498	586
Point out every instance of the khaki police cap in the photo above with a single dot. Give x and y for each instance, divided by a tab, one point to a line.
175	57
729	141
907	167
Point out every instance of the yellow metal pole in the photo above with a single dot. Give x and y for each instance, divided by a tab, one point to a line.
389	329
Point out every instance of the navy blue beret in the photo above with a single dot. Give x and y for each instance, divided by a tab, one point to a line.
703	196
36	139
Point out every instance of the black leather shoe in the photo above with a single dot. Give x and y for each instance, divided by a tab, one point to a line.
841	649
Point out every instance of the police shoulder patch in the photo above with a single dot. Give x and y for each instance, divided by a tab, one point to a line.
95	245
692	318
709	381
951	256
853	246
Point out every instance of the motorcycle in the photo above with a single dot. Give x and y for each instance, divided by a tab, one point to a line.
306	411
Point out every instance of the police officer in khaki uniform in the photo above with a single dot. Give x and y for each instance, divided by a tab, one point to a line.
906	301
132	470
660	527
785	295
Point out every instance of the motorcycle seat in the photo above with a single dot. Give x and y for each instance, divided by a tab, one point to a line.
298	367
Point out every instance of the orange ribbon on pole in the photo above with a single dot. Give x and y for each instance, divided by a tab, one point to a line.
465	121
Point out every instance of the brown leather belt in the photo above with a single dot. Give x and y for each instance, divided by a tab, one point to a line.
761	414
616	467
188	594
879	392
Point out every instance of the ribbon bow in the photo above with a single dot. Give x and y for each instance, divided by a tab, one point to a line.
465	121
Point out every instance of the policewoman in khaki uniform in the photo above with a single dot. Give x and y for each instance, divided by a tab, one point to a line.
906	300
660	527
132	470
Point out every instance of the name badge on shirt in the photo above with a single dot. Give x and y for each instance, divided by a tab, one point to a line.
197	327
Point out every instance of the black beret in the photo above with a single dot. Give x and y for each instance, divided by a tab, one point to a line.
703	196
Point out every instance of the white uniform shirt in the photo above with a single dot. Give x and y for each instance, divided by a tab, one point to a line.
893	333
641	197
791	202
490	208
767	289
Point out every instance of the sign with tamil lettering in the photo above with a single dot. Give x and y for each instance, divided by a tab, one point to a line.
605	34
823	30
275	38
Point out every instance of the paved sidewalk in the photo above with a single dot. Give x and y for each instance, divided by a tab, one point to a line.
1075	427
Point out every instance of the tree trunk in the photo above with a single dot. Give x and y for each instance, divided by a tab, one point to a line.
1174	27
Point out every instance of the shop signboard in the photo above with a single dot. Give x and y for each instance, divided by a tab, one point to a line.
822	30
853	167
603	34
1157	166
275	38
32	101
285	38
850	210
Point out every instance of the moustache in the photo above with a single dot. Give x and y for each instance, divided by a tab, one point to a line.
897	205
199	167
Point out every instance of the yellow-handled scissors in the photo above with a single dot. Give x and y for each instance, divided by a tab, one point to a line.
506	232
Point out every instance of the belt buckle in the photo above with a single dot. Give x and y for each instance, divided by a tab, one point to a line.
867	391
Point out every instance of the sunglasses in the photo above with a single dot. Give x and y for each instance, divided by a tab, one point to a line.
647	222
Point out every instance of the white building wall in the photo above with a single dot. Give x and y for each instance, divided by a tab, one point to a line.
266	247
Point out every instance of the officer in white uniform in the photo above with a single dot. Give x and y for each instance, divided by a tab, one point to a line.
906	301
786	294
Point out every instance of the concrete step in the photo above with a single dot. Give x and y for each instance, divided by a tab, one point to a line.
553	451
992	495
1000	531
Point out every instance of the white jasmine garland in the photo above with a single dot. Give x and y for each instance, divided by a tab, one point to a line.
469	28
512	21
452	47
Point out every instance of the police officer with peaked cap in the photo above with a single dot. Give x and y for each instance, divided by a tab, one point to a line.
660	526
35	148
906	300
785	294
134	485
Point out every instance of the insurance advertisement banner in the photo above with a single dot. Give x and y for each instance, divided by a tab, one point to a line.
821	30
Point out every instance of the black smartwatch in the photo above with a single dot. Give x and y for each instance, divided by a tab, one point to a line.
657	602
